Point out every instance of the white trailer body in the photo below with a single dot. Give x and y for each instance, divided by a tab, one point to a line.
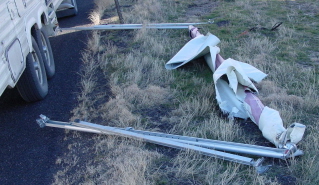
25	28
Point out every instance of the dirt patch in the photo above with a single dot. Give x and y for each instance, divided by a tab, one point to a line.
200	8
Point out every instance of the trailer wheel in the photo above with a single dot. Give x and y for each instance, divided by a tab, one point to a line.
33	84
68	12
43	42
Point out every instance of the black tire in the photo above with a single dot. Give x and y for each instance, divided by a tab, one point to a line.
33	84
44	45
68	12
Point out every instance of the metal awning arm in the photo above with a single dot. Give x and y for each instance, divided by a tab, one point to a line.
100	129
138	26
281	153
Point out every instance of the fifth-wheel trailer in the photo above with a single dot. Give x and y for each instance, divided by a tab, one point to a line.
26	58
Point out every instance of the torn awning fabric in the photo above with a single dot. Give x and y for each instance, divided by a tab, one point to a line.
236	93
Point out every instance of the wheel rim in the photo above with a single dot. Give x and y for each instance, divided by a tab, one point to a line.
45	50
37	66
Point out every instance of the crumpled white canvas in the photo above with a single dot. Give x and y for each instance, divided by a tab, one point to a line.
233	84
230	93
195	48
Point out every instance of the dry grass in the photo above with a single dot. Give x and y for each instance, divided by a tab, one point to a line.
142	94
120	162
96	15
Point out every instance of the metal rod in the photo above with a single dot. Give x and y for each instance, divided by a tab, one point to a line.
231	146
70	127
289	151
168	143
90	127
204	146
138	26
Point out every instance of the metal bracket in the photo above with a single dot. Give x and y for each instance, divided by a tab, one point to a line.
42	121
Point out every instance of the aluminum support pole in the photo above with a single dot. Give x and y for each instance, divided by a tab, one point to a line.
138	26
204	146
99	129
281	153
89	127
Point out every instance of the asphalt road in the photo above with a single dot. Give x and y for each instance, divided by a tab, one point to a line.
28	153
